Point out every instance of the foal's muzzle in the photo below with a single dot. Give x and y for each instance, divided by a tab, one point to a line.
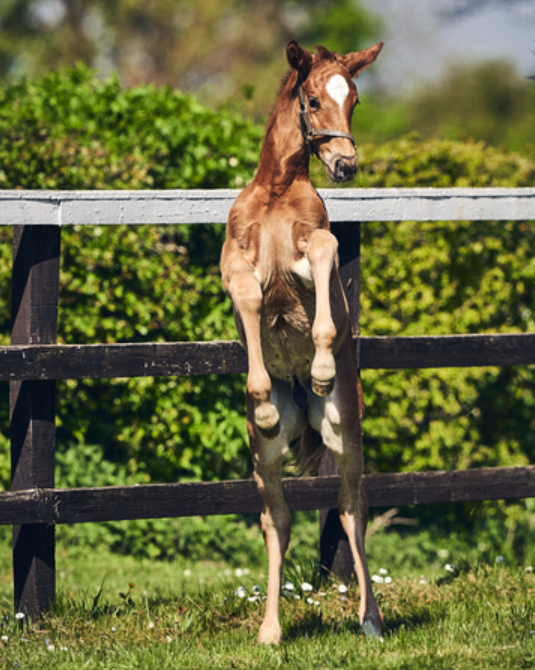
345	169
341	168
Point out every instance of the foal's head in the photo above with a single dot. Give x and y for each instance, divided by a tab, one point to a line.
328	95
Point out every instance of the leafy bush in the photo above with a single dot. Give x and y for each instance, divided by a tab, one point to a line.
70	130
126	284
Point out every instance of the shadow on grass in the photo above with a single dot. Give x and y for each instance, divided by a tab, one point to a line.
418	619
313	624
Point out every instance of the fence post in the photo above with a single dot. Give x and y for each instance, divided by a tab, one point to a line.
335	554
36	261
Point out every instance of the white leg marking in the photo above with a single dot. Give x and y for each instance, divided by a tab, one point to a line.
338	88
324	417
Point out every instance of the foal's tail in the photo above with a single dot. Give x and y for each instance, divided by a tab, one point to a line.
308	451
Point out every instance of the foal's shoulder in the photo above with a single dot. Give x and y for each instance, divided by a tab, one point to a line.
246	208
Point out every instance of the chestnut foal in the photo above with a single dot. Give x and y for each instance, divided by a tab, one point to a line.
279	265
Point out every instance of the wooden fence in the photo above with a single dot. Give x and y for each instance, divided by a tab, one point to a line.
34	361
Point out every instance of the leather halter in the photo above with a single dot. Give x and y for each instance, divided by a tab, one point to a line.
309	132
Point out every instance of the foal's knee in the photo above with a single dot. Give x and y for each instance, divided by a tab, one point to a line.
245	289
322	245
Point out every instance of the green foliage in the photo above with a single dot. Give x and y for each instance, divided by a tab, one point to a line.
414	162
489	101
205	47
341	26
126	284
68	130
463	535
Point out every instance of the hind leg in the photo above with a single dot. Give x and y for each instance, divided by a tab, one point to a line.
275	520
268	455
337	418
353	510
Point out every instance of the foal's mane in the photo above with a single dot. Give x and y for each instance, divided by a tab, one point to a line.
282	85
283	82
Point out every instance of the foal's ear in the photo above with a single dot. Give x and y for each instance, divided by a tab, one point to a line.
298	58
360	60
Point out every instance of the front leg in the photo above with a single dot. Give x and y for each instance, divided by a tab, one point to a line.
246	294
321	251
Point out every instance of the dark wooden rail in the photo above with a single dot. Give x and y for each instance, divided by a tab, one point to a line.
155	501
34	362
97	361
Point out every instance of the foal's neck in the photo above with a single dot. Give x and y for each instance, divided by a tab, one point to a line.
284	157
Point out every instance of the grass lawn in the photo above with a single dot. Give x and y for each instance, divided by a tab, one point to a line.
119	613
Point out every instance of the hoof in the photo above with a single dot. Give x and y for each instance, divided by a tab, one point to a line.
270	433
271	635
370	630
267	420
322	389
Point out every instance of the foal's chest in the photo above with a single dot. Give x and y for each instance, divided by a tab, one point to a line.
287	315
285	277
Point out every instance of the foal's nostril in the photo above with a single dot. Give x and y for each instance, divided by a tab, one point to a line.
345	170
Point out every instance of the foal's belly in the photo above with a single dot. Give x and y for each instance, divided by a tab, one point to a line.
288	351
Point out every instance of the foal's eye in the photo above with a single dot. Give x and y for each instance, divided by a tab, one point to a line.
314	103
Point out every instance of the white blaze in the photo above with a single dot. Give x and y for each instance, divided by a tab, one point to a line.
337	87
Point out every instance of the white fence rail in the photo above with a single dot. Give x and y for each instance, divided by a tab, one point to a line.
64	208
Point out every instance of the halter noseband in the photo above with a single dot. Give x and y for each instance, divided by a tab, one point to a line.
309	132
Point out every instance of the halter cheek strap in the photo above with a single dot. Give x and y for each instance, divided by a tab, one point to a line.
310	133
